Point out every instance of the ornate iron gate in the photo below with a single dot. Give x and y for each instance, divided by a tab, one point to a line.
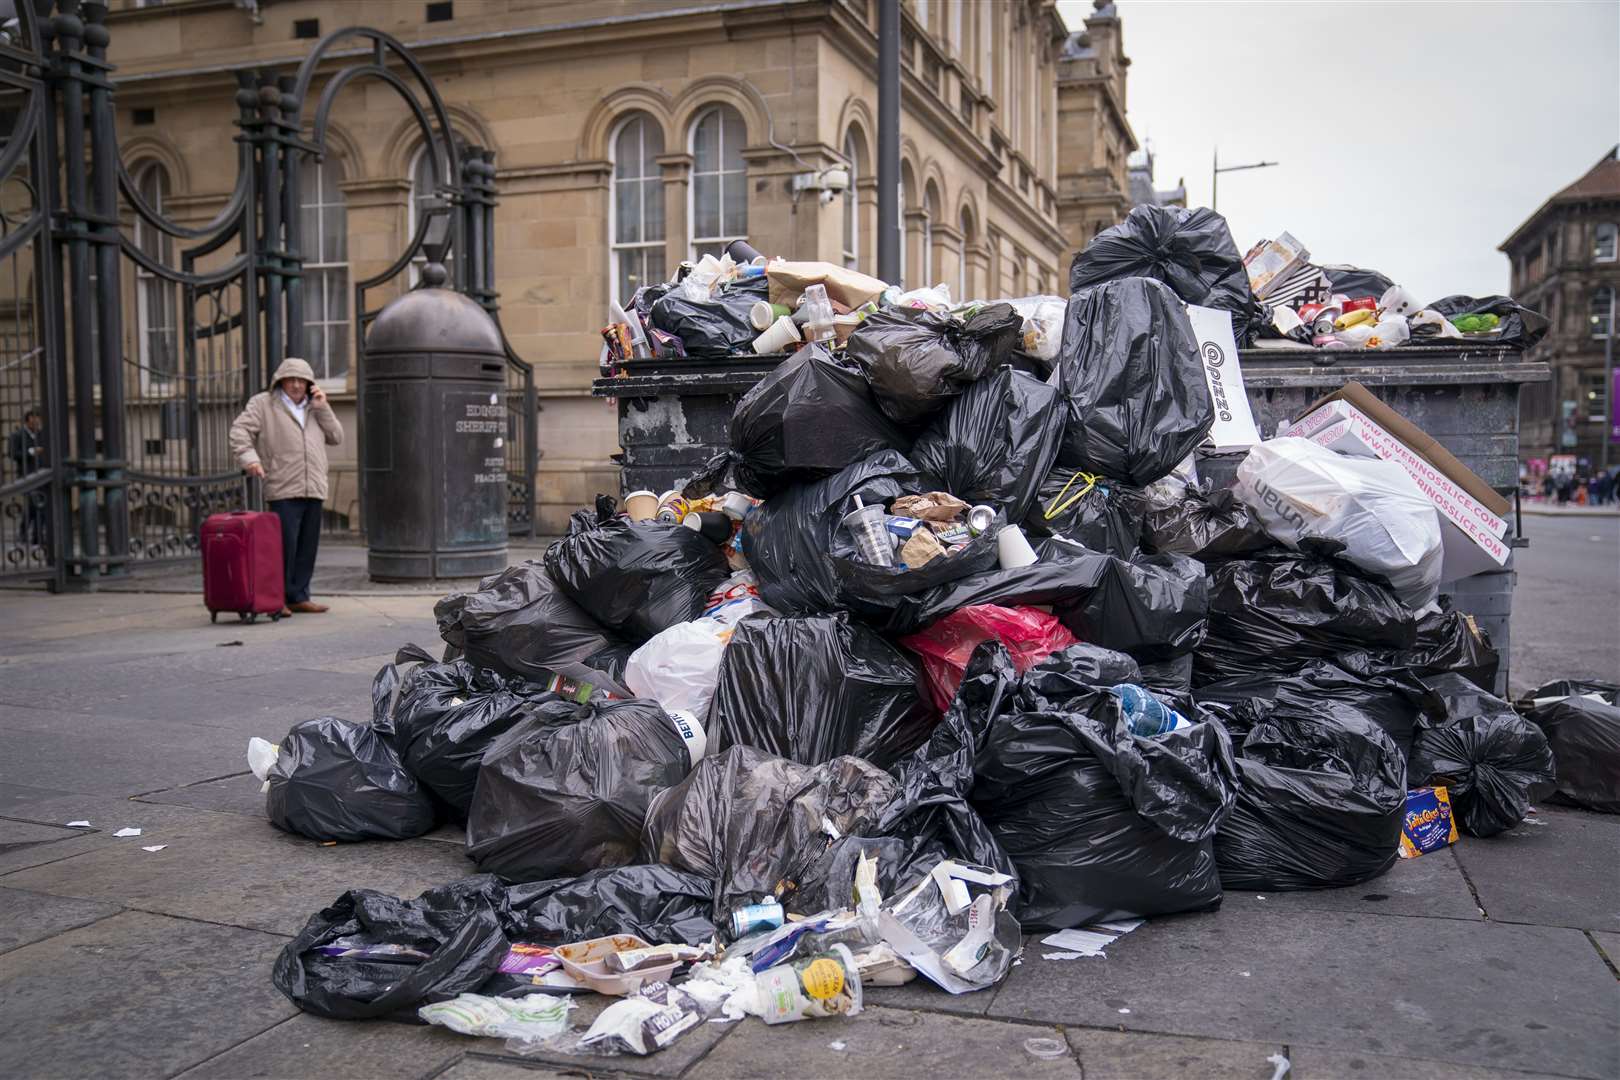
116	434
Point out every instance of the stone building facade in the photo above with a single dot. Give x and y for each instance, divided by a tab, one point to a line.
1565	263
632	134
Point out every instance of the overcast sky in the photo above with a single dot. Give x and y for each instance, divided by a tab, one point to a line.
1412	137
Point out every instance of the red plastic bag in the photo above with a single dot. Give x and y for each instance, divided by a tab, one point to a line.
1029	634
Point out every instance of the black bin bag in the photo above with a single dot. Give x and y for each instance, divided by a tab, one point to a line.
337	780
1137	399
444	716
918	360
1488	756
519	622
994	443
1102	824
1280	609
1190	250
1319	804
635	578
1582	723
806	420
1519	325
718	326
812	689
372	955
567	790
789	539
1393	701
1209	526
753	823
656	903
1447	640
1091	510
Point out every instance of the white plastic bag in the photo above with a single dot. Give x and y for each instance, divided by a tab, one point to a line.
680	667
1043	324
1387	525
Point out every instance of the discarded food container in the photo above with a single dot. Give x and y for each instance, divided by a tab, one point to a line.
1428	824
587	962
814	986
866	526
641	505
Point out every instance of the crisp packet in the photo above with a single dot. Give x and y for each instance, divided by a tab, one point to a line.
1428	824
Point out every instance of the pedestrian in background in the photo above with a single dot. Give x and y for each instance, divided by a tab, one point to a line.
282	436
26	449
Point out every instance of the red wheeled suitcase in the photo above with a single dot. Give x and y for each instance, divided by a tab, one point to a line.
242	570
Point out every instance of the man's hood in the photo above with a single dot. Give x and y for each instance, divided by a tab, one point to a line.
292	368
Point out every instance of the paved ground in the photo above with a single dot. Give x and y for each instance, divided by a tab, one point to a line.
1496	959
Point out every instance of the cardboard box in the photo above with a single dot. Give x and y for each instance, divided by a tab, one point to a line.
1472	532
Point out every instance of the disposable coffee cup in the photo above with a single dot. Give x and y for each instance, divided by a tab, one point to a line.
781	334
711	524
736	505
741	251
761	315
871	536
641	505
1013	550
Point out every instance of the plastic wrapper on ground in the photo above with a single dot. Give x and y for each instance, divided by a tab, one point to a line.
636	578
945	647
567	790
1387	526
656	903
1280	610
916	360
1487	756
1582	723
1100	823
1090	510
1138	402
812	689
752	823
993	444
336	780
445	716
400	954
806	420
520	623
1190	250
1319	804
789	538
953	926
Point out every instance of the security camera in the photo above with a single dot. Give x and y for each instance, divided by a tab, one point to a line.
835	179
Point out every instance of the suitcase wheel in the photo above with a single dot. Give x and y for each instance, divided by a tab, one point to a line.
275	616
253	616
213	616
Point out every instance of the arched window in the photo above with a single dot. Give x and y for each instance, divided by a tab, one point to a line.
156	334
1017	275
719	181
1605	240
638	205
908	203
968	237
425	192
854	152
1602	311
324	232
930	215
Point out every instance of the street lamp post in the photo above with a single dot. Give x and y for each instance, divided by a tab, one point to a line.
1216	168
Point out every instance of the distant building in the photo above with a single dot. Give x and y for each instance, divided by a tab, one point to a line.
1565	262
1095	141
1143	193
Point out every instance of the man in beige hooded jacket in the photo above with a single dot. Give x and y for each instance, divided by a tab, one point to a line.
282	436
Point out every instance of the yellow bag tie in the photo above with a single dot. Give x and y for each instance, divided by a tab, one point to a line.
1054	508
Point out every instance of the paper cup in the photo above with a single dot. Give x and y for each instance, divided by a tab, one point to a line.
1013	550
641	505
781	334
761	315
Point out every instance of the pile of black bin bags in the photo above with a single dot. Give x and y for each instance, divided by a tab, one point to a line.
1313	699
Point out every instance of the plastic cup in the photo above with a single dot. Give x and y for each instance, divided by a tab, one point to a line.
866	525
641	505
761	316
781	334
1013	550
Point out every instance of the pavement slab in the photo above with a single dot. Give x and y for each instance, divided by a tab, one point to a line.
27	843
26	917
481	1068
14	796
1347	981
1127	1055
1559	873
1315	1063
919	993
112	754
1431	885
134	995
1609	943
884	1044
229	869
310	1046
238	794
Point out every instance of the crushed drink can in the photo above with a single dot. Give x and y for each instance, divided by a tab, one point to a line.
765	916
980	518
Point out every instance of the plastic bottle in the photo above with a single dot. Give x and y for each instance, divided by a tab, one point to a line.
1145	714
818	323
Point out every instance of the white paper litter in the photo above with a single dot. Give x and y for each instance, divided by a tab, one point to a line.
836	1044
155	847
1282	1065
78	825
127	832
1087	940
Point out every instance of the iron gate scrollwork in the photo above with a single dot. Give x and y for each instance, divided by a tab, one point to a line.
115	429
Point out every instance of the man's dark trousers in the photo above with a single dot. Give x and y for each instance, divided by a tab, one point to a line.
300	536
